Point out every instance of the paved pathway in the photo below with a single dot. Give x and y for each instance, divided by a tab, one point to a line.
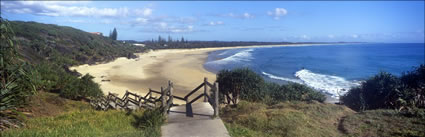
200	125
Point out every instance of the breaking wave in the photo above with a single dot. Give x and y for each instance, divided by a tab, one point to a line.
244	55
333	85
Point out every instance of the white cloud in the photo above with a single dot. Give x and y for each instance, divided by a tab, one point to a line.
247	15
69	8
173	29
163	24
277	13
75	12
244	15
77	21
212	23
331	36
304	37
355	36
141	20
143	12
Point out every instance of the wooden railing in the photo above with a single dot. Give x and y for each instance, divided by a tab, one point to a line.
207	97
133	101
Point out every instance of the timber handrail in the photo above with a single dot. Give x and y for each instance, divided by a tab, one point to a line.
113	101
207	97
166	98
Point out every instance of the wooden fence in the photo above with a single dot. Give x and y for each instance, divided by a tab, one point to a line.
134	101
210	97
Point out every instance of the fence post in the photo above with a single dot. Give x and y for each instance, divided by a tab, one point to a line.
171	97
150	94
216	103
205	89
162	97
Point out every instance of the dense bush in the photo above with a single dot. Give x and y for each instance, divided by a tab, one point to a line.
16	80
295	91
385	90
247	85
241	83
66	45
81	88
67	85
414	87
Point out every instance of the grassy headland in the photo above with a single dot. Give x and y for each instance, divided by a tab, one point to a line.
300	119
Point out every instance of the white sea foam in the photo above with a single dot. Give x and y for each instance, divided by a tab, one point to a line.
282	78
224	52
333	85
244	55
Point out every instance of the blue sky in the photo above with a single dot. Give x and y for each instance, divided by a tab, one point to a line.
295	21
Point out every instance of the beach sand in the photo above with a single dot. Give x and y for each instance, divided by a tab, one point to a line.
183	67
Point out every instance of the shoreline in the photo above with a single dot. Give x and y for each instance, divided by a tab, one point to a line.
153	69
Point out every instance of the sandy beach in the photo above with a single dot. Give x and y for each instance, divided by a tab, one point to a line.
184	67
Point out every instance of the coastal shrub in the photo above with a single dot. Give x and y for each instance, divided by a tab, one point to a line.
16	81
376	92
67	46
385	90
252	87
414	87
241	83
77	88
55	79
294	92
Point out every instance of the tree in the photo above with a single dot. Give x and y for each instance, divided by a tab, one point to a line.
114	34
182	40
170	39
242	82
385	90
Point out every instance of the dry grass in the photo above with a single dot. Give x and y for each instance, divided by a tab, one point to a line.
304	119
284	119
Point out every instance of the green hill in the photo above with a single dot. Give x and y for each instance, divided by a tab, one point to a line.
67	45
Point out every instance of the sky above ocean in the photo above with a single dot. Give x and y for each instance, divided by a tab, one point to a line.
295	21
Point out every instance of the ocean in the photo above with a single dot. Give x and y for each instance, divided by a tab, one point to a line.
331	69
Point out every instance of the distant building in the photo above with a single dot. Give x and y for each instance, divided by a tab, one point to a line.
97	33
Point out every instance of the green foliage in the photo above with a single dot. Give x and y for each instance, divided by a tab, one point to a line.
242	82
385	90
114	34
16	81
66	84
413	93
295	92
81	88
66	45
150	121
248	85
